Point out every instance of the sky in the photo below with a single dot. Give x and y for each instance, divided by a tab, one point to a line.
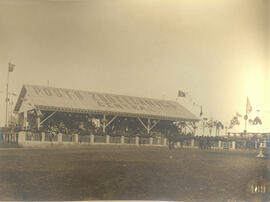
217	51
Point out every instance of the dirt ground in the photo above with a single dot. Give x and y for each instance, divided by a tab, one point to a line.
129	172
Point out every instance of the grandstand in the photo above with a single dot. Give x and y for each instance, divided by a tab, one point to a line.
40	107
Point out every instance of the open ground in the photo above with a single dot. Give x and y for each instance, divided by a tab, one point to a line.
128	172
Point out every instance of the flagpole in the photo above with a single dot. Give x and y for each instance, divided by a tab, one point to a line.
7	100
246	117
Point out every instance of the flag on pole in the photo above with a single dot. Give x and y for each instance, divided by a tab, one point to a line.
11	67
181	94
248	107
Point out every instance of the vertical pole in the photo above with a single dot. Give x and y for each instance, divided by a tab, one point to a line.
104	123
7	100
25	119
148	126
245	125
233	144
92	139
137	140
38	123
203	128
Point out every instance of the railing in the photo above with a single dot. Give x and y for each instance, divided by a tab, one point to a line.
10	137
40	138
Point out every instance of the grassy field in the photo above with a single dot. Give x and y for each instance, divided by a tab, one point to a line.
127	172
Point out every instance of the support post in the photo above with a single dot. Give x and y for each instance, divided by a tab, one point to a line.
219	144
25	124
104	123
148	126
256	145
76	138
92	139
178	144
192	143
38	122
7	100
42	137
137	140
165	141
233	144
107	139
151	141
59	137
122	139
21	137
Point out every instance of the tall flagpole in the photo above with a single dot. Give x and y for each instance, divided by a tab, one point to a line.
246	117
7	100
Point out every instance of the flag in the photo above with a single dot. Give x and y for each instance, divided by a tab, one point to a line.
238	114
181	94
11	67
248	107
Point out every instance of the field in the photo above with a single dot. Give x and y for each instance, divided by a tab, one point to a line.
128	172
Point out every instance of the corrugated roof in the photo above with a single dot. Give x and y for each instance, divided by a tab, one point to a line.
68	100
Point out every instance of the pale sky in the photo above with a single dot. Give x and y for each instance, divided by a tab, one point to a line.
215	50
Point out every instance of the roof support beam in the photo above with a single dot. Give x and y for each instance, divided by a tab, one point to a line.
47	118
111	121
154	124
104	124
148	127
142	122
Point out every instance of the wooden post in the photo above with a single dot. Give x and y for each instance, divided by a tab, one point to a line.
165	141
122	139
151	141
178	144
137	140
107	139
219	144
25	124
38	122
192	142
76	138
21	137
104	123
233	144
92	139
42	137
59	137
148	126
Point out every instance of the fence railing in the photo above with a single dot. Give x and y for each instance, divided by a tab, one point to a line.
33	138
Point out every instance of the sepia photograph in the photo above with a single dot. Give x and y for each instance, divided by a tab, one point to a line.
134	100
